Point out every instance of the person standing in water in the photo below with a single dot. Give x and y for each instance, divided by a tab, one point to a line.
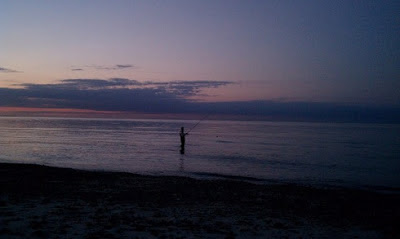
182	134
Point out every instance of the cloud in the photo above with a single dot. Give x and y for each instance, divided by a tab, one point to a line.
104	67
190	88
124	66
119	94
94	84
6	70
92	94
86	84
180	89
113	94
186	88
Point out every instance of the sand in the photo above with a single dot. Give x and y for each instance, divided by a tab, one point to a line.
46	202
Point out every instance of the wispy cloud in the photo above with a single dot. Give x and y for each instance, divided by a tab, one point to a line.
189	88
96	84
124	66
7	70
103	67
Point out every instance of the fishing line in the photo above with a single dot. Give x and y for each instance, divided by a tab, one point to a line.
198	122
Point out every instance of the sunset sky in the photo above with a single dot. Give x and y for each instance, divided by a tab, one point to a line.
286	58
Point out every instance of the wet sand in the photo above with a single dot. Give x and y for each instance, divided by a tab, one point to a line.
46	202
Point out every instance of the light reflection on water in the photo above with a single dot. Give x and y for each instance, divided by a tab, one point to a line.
350	154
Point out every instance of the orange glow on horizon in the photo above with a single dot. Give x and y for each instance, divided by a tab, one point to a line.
86	113
51	110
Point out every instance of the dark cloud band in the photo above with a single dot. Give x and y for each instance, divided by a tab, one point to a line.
119	94
176	88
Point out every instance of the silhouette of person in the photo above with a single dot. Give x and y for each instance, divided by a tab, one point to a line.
182	135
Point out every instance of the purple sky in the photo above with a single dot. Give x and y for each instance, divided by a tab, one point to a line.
285	52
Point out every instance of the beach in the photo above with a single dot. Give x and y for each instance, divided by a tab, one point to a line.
199	119
47	202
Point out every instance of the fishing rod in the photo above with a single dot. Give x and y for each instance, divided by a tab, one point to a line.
198	122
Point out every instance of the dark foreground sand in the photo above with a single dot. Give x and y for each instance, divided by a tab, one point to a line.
45	202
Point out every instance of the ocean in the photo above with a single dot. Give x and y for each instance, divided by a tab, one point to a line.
343	154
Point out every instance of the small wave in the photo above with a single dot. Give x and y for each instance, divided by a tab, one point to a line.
266	161
224	141
224	176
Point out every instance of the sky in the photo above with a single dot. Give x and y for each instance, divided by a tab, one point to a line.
277	59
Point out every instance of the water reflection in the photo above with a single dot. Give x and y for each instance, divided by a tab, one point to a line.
360	153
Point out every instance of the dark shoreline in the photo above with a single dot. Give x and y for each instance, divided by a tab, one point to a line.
47	202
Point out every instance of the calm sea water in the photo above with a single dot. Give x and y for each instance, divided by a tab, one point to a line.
310	153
